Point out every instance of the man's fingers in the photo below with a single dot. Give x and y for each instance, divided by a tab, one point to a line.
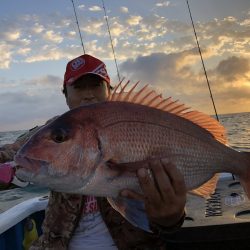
176	177
148	186
162	180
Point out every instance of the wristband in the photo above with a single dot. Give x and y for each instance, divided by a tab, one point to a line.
161	230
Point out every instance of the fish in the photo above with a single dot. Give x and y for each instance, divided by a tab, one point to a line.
93	149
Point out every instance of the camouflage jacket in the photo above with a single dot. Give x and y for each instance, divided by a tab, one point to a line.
64	212
8	151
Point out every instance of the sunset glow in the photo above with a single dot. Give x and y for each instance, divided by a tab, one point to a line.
154	43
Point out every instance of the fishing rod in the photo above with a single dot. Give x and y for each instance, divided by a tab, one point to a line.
110	38
78	27
203	65
204	68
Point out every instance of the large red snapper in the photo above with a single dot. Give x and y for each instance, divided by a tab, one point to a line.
84	150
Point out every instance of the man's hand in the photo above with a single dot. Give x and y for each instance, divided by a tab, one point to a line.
164	192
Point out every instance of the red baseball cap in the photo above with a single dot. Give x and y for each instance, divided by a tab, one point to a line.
82	65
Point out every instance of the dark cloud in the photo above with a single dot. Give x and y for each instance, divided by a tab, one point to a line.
46	81
233	68
25	108
170	71
176	75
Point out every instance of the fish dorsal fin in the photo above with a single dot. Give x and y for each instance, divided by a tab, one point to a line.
207	188
148	97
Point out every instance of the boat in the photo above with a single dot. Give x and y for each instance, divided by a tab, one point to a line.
219	222
17	207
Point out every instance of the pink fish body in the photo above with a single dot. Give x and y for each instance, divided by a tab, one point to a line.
74	153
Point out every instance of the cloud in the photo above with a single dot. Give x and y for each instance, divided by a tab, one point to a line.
163	4
47	81
94	26
246	22
134	20
38	28
117	29
70	34
51	36
24	51
12	36
51	54
124	9
144	35
160	69
233	67
37	101
81	7
95	8
5	55
175	75
28	109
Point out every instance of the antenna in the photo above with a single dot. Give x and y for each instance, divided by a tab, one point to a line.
111	42
208	84
78	26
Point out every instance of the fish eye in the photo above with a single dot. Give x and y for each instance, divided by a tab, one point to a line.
59	135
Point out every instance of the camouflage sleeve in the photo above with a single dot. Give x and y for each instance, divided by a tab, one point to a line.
8	151
61	219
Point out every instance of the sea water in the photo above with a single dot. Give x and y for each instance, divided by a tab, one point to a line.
238	130
237	126
10	136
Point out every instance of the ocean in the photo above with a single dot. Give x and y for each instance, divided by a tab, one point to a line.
237	126
238	130
10	136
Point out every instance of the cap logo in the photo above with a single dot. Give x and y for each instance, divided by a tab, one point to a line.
101	70
77	63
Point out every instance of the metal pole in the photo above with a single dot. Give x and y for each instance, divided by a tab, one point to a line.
111	42
208	84
78	27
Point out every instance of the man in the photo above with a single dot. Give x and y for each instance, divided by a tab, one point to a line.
79	222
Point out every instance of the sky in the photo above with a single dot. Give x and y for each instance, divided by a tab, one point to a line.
153	41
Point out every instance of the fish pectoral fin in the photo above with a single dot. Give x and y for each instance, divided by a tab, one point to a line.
207	188
132	210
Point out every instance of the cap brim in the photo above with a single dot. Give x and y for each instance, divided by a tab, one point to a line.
86	73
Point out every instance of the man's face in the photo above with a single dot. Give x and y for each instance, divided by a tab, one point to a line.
87	89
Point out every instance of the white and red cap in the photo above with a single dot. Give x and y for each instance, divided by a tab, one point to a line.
82	65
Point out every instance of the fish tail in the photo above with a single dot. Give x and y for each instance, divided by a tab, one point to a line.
245	178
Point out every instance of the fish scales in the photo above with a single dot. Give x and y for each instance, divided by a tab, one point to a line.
140	134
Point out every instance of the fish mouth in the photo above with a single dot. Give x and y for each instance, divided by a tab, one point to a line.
43	174
27	168
32	165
